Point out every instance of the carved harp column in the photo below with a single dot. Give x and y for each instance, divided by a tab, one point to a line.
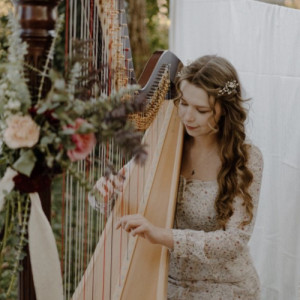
37	19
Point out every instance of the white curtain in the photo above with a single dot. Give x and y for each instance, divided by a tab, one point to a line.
263	43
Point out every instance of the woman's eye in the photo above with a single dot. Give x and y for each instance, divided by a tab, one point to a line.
182	103
202	112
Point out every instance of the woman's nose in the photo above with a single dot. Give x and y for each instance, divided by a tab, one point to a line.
189	115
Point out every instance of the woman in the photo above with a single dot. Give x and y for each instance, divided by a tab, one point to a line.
218	190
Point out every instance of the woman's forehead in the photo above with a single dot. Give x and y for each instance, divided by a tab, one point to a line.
195	95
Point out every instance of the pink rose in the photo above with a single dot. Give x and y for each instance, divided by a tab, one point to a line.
84	143
21	131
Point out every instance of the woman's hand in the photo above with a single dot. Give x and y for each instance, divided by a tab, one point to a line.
137	225
106	188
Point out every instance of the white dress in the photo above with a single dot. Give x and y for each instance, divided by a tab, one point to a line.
207	263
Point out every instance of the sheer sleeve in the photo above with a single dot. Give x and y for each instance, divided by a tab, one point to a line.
220	246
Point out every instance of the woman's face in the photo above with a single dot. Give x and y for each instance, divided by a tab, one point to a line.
195	110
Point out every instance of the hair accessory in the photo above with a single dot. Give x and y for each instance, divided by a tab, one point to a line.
179	74
229	88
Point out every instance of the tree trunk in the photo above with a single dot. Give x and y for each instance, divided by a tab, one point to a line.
138	34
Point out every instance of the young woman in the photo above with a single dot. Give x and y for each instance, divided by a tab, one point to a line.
218	190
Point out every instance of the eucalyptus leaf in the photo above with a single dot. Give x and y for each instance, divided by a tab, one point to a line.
3	160
79	110
43	108
67	131
60	110
54	105
49	161
55	115
46	140
25	163
85	128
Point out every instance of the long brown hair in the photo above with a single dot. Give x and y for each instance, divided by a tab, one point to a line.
211	73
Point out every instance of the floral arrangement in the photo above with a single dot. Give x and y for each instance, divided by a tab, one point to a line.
43	137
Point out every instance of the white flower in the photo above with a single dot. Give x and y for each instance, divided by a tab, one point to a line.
13	105
59	84
21	131
13	76
11	94
3	86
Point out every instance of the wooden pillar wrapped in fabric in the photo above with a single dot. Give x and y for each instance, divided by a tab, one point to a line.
37	20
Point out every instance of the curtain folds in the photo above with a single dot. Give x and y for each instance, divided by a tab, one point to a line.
263	43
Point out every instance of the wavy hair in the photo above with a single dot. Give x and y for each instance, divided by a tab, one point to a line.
211	73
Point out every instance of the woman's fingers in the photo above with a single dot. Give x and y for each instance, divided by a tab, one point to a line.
137	225
122	222
131	222
139	231
118	225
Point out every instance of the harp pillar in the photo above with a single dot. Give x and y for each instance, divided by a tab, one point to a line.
37	19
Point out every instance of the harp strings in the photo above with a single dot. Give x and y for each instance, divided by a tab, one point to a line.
103	25
100	26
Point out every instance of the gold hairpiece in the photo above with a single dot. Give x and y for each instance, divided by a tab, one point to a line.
179	74
229	88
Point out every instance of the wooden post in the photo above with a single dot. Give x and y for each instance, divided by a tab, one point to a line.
37	18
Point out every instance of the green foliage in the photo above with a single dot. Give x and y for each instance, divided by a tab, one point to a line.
3	38
56	210
56	117
68	113
5	6
157	26
59	57
13	228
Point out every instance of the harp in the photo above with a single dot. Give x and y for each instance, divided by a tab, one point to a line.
99	262
154	198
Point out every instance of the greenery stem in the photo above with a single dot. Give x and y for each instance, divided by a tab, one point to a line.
50	56
4	240
83	182
21	244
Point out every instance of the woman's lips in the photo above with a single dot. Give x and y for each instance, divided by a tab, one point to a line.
190	127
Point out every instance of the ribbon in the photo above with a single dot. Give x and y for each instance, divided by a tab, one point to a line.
42	246
6	185
43	254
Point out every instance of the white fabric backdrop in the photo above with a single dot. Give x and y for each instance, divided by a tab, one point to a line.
263	43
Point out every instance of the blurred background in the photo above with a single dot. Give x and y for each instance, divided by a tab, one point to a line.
149	25
148	22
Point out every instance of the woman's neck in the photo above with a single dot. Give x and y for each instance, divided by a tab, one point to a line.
205	143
